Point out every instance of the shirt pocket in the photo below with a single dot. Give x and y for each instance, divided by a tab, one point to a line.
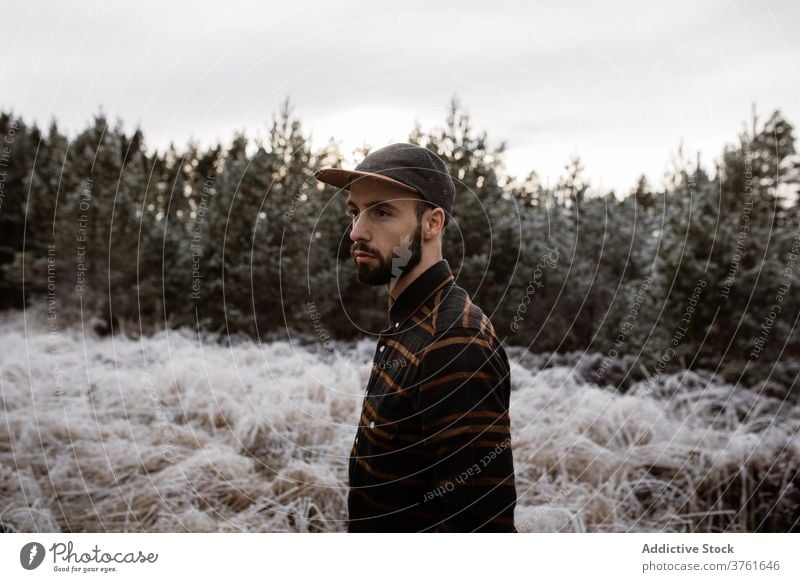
399	365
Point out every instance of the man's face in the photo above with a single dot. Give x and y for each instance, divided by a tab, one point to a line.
386	235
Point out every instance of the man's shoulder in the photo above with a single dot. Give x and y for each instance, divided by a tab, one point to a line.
462	336
455	314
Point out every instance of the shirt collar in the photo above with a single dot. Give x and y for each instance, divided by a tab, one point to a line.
418	292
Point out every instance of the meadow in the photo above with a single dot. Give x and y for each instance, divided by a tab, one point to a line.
177	432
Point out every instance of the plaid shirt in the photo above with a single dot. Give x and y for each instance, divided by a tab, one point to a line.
432	451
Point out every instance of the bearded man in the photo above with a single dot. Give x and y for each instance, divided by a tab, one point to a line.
432	452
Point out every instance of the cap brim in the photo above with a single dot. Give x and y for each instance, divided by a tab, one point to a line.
342	178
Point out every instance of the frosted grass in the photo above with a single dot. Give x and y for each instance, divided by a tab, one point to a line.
172	434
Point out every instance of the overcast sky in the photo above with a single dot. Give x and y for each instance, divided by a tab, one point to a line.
620	83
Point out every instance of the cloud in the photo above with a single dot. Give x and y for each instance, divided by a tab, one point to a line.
622	77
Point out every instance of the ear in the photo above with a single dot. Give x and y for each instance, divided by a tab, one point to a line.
433	224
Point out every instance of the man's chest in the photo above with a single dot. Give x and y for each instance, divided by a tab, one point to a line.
397	364
390	400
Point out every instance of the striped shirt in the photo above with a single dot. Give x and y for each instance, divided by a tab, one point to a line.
432	451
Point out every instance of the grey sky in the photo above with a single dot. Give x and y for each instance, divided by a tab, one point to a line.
619	83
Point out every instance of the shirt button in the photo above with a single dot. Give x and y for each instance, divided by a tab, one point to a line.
397	324
380	349
372	424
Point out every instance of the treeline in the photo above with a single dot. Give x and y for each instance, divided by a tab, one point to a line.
240	239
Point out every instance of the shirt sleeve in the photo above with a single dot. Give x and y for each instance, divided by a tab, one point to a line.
463	402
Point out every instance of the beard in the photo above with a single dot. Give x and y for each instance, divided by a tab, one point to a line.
403	258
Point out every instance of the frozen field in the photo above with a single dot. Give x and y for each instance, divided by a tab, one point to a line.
170	434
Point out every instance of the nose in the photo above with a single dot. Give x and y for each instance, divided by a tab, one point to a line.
359	230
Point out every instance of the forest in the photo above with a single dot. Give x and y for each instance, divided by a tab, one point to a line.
236	241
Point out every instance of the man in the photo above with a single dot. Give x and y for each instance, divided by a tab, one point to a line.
432	451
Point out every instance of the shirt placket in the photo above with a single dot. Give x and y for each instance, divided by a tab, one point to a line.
376	361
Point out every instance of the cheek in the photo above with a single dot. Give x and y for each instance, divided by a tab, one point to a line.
390	235
388	238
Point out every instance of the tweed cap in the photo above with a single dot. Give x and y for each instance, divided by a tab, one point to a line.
410	167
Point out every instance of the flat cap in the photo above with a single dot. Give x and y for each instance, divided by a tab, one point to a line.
415	168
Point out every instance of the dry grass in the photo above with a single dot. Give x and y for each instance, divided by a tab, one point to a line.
166	434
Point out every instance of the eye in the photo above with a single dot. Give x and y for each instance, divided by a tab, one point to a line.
381	213
351	212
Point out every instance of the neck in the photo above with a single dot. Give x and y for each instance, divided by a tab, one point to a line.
395	288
